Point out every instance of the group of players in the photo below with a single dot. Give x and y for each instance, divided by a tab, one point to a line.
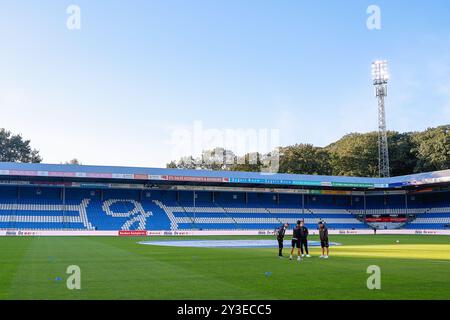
300	240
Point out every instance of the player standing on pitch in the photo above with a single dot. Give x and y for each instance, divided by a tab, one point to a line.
323	232
296	241
280	237
304	239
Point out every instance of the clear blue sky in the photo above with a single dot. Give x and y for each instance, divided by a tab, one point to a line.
114	91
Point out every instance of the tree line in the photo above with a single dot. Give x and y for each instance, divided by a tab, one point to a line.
355	154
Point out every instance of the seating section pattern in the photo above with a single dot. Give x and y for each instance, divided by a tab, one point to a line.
434	218
44	215
217	218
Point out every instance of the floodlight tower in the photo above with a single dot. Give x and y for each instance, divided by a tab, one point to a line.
380	78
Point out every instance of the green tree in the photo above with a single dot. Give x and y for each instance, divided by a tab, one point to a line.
13	148
304	159
183	163
172	165
74	161
215	159
355	154
401	157
432	149
251	162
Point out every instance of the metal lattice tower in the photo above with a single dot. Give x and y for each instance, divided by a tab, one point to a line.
380	78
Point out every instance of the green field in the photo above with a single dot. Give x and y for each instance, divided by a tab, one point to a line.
418	267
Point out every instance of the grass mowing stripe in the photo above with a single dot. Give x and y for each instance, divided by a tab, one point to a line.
208	266
12	255
119	268
411	251
122	273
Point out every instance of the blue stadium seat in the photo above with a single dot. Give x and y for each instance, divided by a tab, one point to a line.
48	208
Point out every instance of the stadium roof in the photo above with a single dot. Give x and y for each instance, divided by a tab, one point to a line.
87	172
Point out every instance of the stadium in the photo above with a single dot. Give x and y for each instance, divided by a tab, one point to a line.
89	216
204	159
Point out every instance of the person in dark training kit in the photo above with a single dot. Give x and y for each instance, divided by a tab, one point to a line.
304	239
280	237
296	241
323	233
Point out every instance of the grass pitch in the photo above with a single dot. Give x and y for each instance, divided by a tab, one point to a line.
418	267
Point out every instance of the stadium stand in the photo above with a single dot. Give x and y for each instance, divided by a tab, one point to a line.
49	208
71	197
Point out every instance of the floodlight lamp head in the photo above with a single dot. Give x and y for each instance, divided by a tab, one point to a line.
380	73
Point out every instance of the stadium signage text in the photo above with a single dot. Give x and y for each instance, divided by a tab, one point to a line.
132	232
